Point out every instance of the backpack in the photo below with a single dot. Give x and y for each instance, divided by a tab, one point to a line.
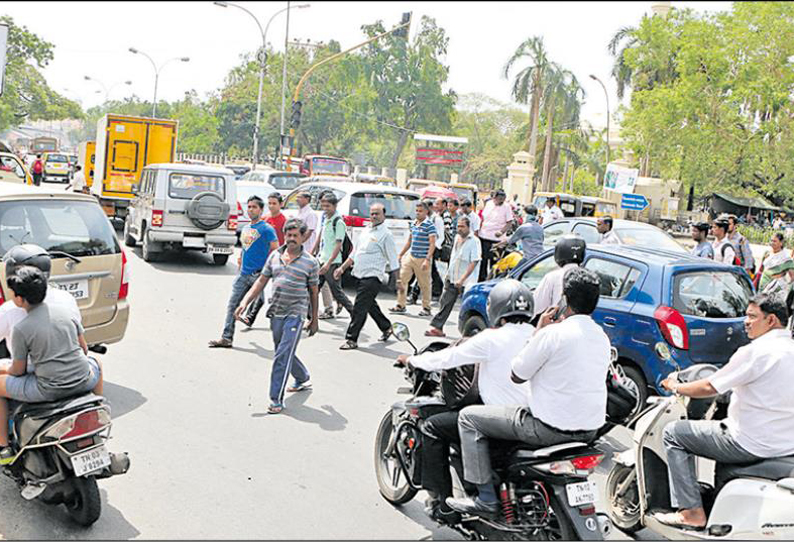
736	259
38	167
347	245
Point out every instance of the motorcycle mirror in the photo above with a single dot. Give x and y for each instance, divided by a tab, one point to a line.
401	331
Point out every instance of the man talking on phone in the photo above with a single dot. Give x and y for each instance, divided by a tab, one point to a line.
569	252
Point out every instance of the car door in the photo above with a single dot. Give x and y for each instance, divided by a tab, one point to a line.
553	231
619	283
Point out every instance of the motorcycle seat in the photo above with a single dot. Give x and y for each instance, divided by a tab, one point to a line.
774	469
46	410
524	452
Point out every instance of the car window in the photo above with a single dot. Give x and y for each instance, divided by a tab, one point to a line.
617	279
568	208
284	182
9	165
711	294
554	231
535	274
57	158
79	228
316	192
189	185
588	232
398	206
648	237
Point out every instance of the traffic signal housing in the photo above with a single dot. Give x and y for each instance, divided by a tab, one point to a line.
405	23
295	119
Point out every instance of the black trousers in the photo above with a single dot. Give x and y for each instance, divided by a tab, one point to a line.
440	432
487	258
366	304
446	304
336	287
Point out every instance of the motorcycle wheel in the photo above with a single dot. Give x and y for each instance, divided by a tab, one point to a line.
392	482
86	504
623	510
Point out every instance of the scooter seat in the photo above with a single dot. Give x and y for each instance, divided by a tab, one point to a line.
774	469
524	452
45	410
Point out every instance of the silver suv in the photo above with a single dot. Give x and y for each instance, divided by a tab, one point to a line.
183	206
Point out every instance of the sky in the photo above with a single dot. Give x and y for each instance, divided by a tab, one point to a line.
93	39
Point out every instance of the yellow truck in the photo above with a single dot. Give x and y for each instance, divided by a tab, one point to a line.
124	145
86	158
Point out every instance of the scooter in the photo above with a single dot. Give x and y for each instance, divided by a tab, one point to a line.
745	501
60	452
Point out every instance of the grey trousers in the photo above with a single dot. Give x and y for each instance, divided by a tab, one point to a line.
478	423
685	439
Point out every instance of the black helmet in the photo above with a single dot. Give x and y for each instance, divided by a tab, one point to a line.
509	298
569	249
27	254
531	210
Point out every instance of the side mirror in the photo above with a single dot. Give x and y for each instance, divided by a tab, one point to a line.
401	331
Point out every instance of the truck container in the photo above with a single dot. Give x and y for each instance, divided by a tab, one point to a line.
86	159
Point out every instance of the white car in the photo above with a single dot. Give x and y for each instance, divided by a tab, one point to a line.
282	182
246	189
355	200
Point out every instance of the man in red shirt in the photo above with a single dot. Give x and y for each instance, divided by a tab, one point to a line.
276	218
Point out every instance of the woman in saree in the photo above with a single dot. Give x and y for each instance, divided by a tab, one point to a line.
778	267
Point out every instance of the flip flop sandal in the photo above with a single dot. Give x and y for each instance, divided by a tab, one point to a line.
398	310
349	345
223	343
275	409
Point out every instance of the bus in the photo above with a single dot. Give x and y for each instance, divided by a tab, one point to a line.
317	164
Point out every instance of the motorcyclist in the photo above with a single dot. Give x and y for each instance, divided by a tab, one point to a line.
566	364
760	422
569	252
530	233
509	312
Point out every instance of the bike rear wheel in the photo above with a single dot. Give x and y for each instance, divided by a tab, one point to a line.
85	506
392	481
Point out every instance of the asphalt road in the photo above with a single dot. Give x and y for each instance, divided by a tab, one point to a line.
207	461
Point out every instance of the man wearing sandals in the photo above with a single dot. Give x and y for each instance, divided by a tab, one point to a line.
296	275
422	243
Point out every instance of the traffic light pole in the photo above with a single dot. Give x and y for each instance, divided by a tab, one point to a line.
296	104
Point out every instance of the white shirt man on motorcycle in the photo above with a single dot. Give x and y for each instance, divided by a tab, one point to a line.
566	364
760	422
509	313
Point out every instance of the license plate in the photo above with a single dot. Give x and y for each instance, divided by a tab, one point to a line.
222	249
581	493
78	288
90	461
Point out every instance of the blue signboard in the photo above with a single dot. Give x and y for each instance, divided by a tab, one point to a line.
633	202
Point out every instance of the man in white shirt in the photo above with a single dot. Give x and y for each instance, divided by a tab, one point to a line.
566	365
569	252
723	249
551	213
509	311
78	180
466	209
604	227
497	217
307	215
760	422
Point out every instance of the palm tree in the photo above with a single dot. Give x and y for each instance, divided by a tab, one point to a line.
625	38
530	81
564	97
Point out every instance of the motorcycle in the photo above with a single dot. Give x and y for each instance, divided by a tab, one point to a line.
545	494
745	502
60	452
506	258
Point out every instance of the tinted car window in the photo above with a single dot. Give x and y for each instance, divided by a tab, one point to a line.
617	279
711	294
648	237
284	182
535	274
554	231
75	227
588	232
189	185
399	206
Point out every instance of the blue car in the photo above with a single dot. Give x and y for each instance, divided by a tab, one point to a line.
661	310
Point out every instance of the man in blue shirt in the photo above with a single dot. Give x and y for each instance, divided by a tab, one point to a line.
416	258
703	248
530	233
258	239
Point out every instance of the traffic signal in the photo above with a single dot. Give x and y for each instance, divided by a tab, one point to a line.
405	23
295	119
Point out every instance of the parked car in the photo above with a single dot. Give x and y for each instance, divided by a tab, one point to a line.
56	167
628	232
87	260
183	206
661	309
13	170
283	182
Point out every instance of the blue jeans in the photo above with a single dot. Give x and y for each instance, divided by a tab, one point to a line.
286	335
240	287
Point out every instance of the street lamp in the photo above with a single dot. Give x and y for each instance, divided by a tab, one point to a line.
262	64
105	89
606	95
157	70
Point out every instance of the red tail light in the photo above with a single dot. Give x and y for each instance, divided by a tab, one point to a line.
673	327
157	219
232	223
587	462
84	423
124	288
239	209
356	221
2	297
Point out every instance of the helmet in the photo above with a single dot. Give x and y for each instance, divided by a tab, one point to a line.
531	211
509	298
27	254
569	249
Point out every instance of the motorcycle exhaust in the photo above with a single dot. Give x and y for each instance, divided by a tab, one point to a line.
119	463
604	525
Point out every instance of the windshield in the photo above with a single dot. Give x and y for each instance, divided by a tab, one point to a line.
711	294
57	158
79	228
189	185
649	238
463	193
399	206
330	166
284	182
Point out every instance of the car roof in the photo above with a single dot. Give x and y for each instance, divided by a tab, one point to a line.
616	223
21	191
192	168
348	187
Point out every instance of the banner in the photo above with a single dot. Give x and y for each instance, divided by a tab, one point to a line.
621	179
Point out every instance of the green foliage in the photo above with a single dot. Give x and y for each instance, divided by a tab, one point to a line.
26	96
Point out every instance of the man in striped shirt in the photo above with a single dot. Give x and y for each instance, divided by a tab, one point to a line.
374	253
296	275
422	243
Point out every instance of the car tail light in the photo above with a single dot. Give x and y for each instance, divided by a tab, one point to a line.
83	423
232	223
157	218
124	288
673	327
577	466
356	221
239	209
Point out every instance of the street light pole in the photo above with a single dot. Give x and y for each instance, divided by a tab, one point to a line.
606	95
262	64
106	90
157	72
283	92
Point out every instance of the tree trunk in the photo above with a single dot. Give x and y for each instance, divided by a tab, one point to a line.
399	150
573	175
565	172
547	151
534	124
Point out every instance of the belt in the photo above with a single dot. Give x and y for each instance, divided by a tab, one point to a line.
576	432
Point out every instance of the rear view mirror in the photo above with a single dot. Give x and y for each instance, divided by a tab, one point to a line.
401	331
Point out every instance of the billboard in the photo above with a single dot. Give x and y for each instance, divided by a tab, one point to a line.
621	179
